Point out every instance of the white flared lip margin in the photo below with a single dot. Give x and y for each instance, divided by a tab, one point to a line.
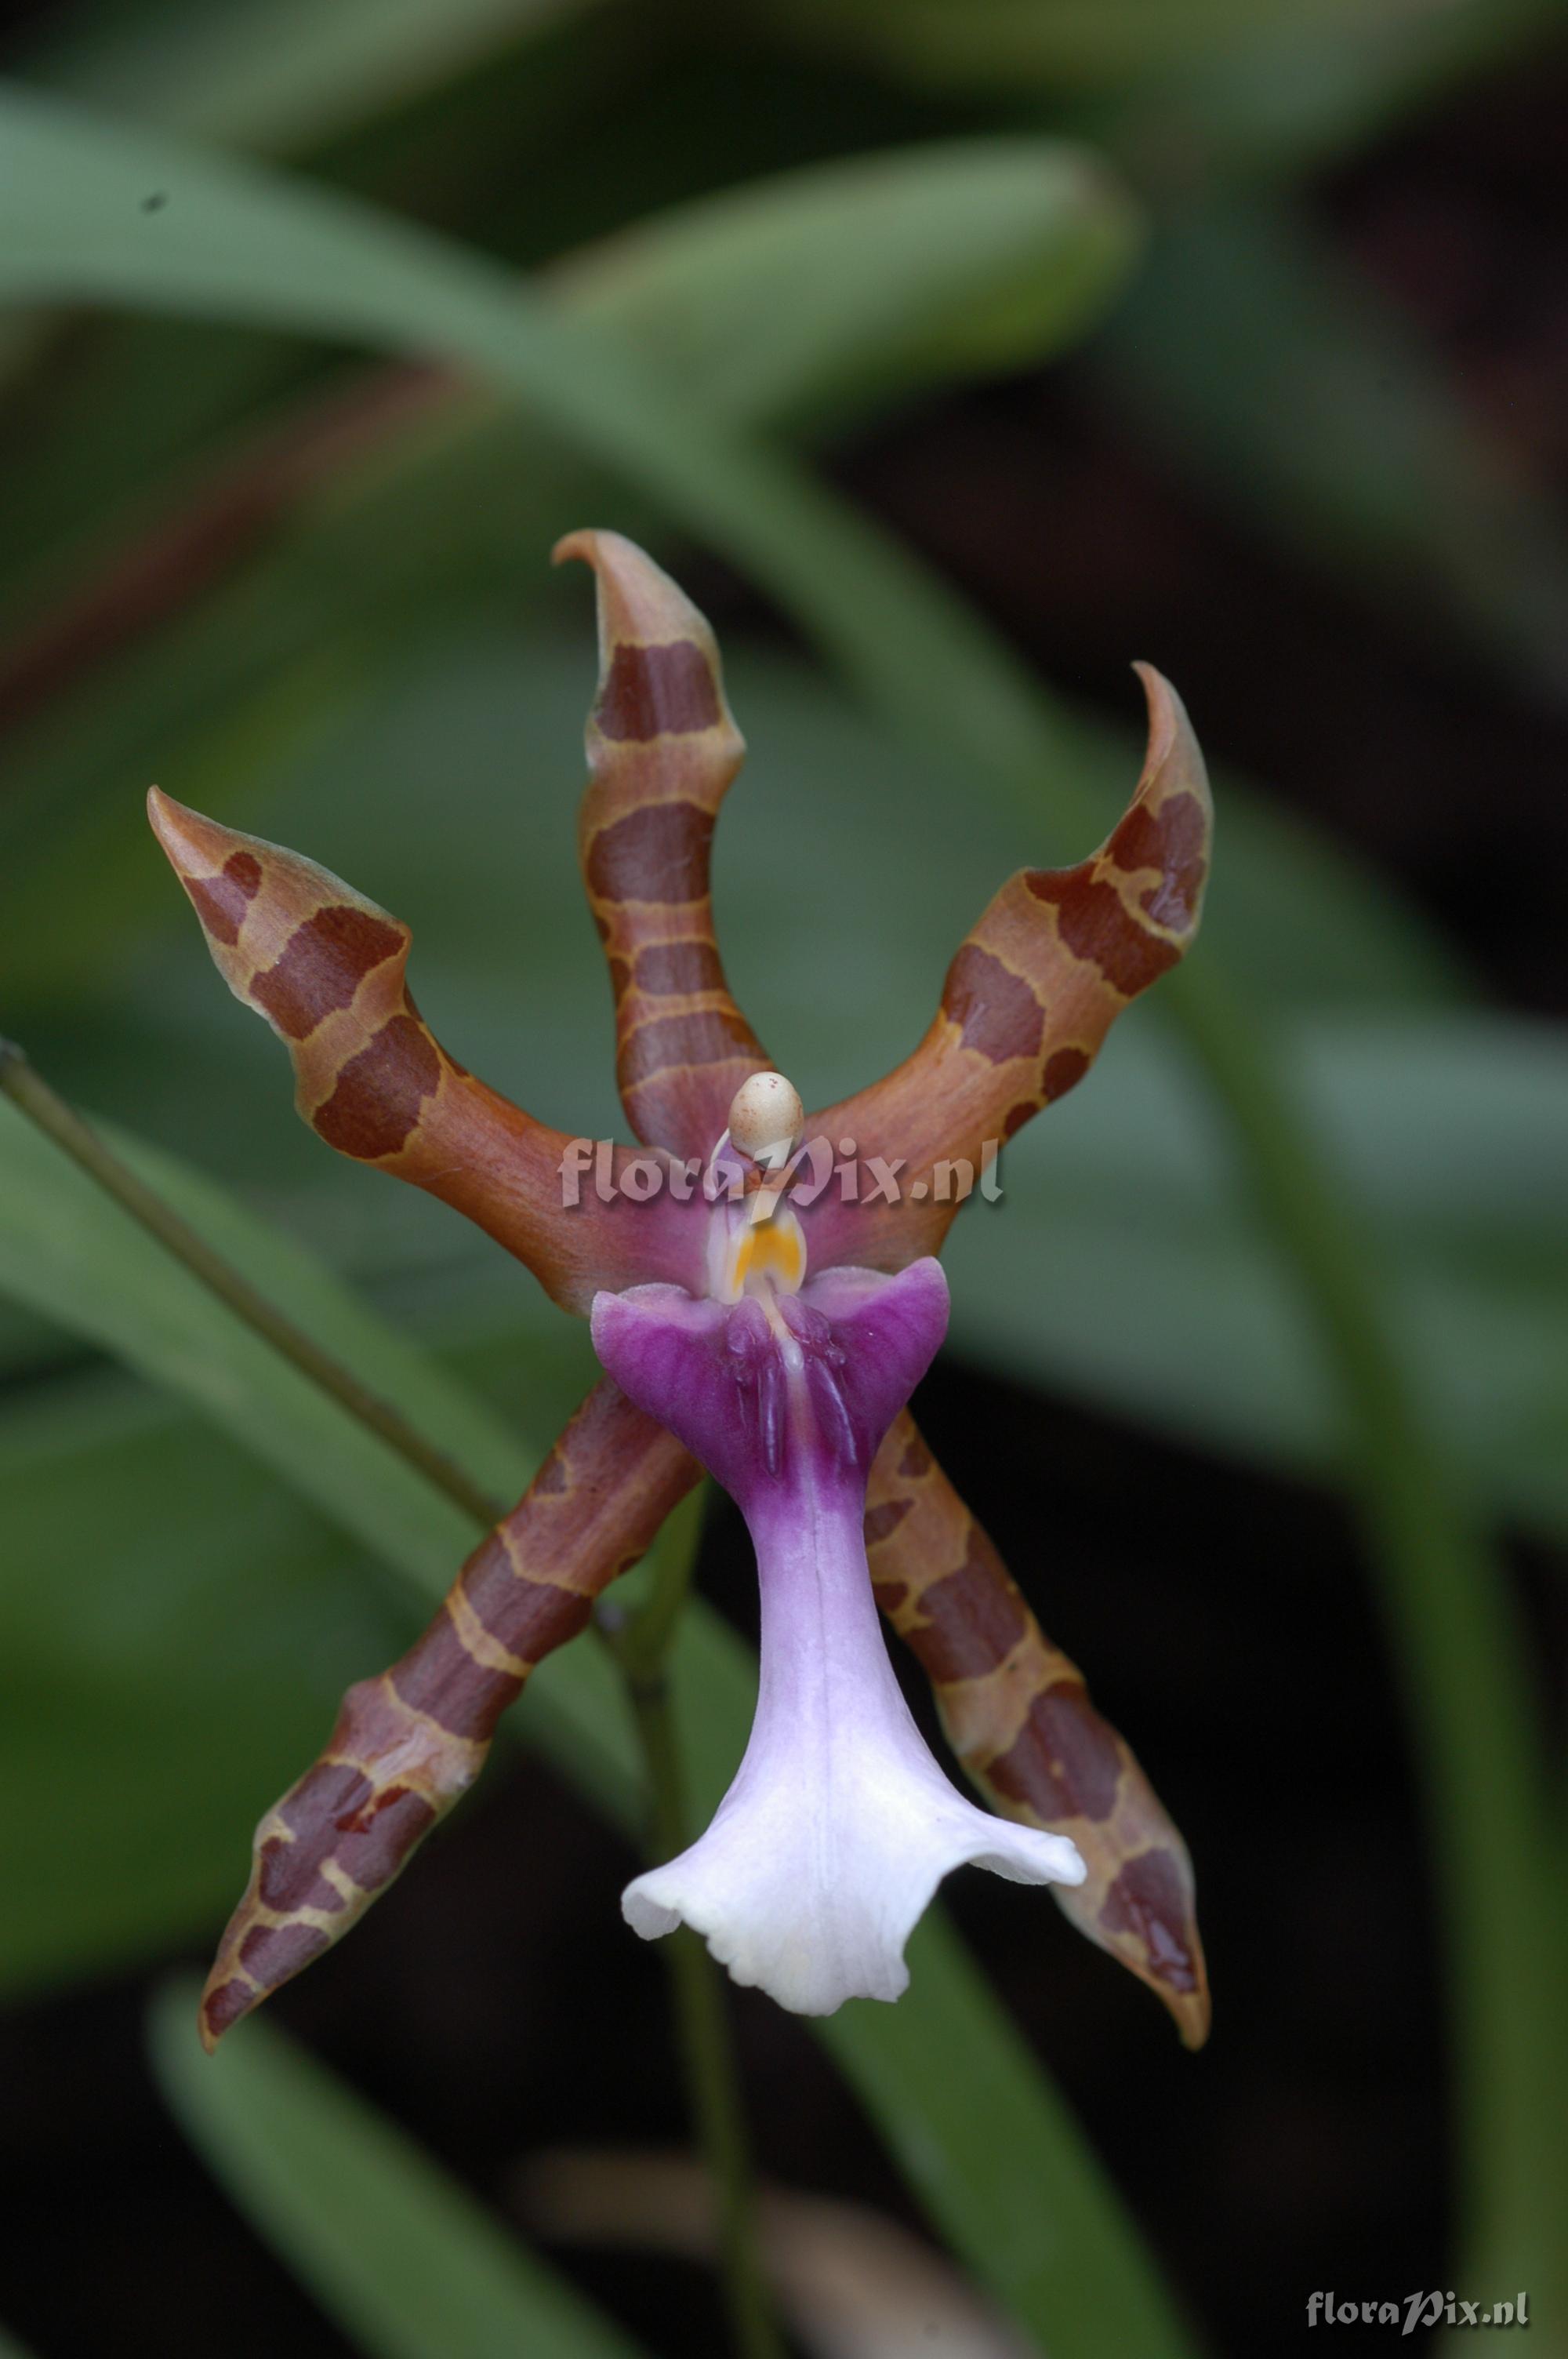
753	1887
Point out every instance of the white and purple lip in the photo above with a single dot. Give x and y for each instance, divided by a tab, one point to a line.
839	1824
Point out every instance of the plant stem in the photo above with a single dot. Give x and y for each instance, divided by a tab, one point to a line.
641	1643
1455	1636
27	1089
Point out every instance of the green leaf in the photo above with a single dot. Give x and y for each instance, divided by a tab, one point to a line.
68	1253
1287	96
279	74
214	1623
395	2251
1267	371
942	668
28	1343
965	2107
235	242
818	290
833	286
999	45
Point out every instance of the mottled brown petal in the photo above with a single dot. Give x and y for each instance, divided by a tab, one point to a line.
1148	1903
1027	1001
678	967
996	1011
1063	1751
658	855
662	750
1172	843
328	971
881	1521
407	1744
1092	923
321	966
380	1094
1019	1717
683	1044
917	1458
657	692
222	900
1063	1073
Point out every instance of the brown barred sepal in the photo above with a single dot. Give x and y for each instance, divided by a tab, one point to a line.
407	1744
1018	1715
1028	1000
328	971
662	750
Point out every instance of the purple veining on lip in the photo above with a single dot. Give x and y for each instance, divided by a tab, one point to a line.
839	1824
718	1373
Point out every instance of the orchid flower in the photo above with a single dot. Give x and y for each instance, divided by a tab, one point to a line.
762	1305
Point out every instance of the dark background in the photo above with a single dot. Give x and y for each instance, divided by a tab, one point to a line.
495	2005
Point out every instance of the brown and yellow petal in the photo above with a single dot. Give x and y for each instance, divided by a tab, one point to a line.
407	1744
662	750
1018	1715
1027	1001
328	970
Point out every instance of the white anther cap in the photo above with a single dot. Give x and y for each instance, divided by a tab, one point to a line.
766	1119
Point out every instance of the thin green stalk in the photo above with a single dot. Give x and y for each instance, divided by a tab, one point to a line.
25	1086
1456	1638
641	1643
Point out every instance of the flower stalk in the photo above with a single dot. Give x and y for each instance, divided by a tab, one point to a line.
640	1642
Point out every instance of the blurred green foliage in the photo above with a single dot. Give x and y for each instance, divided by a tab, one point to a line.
935	194
398	2253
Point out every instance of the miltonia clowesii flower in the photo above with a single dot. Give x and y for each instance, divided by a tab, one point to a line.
839	1824
771	1329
